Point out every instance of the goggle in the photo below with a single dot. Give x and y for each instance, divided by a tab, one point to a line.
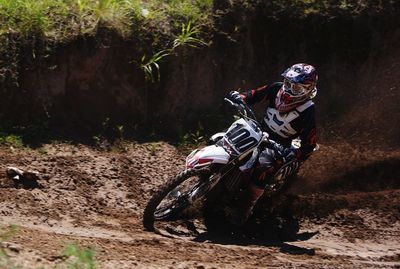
296	89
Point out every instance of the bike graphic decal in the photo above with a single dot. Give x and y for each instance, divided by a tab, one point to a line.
287	170
240	137
280	123
275	119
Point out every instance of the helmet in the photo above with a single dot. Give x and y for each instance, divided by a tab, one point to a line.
299	83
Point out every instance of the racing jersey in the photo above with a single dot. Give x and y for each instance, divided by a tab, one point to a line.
284	127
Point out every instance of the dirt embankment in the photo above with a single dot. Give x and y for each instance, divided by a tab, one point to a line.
83	83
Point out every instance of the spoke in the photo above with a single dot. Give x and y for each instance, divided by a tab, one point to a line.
178	198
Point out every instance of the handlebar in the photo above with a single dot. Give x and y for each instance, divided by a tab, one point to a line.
243	109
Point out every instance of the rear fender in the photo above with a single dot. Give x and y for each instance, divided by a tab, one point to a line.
201	158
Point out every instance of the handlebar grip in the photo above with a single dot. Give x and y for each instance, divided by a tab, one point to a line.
242	107
231	102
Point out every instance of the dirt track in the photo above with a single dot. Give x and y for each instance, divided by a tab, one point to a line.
349	210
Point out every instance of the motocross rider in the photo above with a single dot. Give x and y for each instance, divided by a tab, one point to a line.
290	114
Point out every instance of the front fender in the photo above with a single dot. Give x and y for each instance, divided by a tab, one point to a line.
200	158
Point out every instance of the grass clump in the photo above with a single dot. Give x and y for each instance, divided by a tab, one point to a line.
188	37
5	234
28	17
75	256
11	140
188	10
151	67
79	258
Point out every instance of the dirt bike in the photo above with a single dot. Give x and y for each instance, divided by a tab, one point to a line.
220	165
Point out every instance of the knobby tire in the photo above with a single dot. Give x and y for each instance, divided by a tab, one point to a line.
156	199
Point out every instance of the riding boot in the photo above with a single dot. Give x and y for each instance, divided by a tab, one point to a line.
247	202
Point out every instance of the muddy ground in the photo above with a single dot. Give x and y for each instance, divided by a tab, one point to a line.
346	200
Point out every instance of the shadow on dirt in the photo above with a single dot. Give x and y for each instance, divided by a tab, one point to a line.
268	231
283	246
19	179
28	184
380	175
269	226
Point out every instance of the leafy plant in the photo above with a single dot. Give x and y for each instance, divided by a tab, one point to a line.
100	138
11	140
187	37
151	67
346	5
105	123
192	139
120	131
110	136
152	148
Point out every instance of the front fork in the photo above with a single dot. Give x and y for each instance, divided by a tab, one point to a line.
203	187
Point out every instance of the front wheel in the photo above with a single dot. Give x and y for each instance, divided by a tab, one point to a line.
175	196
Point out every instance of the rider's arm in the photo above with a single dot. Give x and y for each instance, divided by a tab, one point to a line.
260	94
308	135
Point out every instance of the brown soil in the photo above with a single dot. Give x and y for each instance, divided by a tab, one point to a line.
347	202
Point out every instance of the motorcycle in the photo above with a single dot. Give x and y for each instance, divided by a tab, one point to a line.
221	166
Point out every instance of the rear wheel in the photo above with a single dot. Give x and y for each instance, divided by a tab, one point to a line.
175	196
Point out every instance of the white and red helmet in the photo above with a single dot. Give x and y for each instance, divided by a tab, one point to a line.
299	84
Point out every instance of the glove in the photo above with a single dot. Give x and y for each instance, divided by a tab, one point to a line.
289	154
235	97
284	154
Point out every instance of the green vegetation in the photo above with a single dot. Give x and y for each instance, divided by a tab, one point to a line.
11	140
111	137
43	24
62	20
152	148
192	140
151	67
79	258
65	19
40	25
187	37
75	256
5	234
18	136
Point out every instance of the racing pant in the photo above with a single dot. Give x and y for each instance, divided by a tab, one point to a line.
269	161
